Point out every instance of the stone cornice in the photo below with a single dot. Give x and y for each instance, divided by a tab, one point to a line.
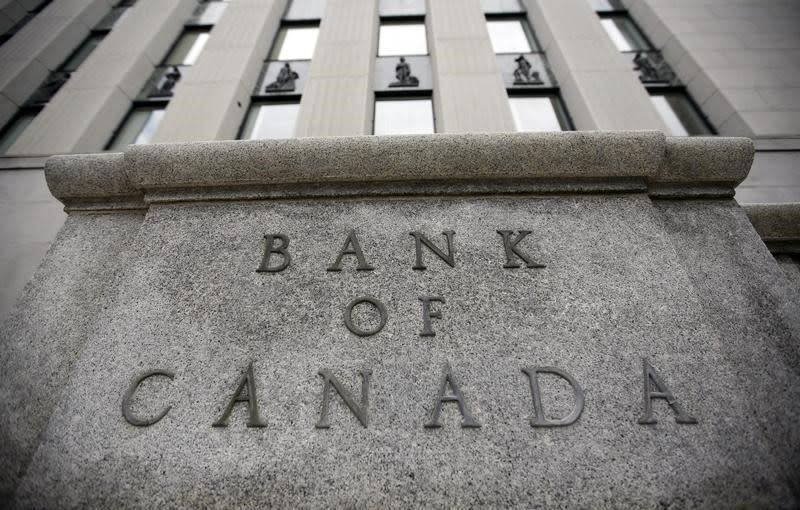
443	164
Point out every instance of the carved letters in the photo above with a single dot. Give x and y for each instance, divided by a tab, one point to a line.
277	245
449	391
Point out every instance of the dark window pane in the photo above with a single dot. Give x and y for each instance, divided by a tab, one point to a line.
402	7
270	121
305	10
624	34
680	115
403	116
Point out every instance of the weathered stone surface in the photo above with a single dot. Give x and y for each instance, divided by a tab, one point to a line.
777	224
684	283
614	291
43	337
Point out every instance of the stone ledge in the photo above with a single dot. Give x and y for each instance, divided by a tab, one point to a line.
570	162
92	182
778	225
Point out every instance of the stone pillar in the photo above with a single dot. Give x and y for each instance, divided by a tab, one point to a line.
41	46
468	90
338	97
211	100
84	113
598	86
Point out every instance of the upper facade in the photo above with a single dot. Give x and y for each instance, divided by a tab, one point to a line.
93	75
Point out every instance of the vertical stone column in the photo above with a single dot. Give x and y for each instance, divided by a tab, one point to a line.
597	84
211	100
338	97
84	113
468	90
41	46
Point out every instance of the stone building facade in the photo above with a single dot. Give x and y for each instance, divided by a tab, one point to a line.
732	64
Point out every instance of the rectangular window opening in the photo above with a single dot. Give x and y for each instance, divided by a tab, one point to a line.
680	114
270	120
402	39
188	47
295	43
403	116
138	127
539	113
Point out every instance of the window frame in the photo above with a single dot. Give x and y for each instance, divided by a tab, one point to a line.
562	112
137	105
610	15
274	53
403	20
406	95
527	29
263	101
680	90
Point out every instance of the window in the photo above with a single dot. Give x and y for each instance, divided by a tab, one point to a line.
295	43
138	127
539	113
532	90
401	116
680	114
402	39
275	102
187	48
270	120
510	36
625	34
13	129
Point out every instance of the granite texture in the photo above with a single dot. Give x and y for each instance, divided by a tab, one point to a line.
43	336
686	284
778	225
569	162
92	181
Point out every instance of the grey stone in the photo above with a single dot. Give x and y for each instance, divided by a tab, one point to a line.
777	224
87	180
43	336
684	283
544	161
